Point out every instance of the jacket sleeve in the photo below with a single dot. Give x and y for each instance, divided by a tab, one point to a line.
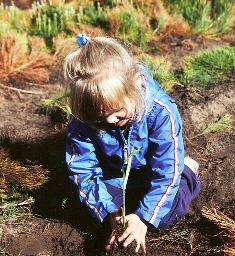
85	172
166	161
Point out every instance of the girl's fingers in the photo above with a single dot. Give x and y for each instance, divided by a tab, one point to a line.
130	238
136	230
140	244
110	241
124	235
143	246
137	248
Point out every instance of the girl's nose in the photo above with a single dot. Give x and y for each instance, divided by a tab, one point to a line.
111	119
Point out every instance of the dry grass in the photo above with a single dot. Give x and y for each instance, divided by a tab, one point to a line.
23	58
224	222
62	45
16	177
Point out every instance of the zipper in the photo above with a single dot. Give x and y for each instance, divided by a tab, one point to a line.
126	143
125	155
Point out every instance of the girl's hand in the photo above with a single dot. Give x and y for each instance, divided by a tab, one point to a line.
136	230
109	225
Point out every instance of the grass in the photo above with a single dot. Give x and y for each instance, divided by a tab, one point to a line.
131	25
5	245
208	67
179	236
94	15
57	102
15	210
24	56
17	179
225	223
12	18
224	122
222	14
205	17
159	16
197	13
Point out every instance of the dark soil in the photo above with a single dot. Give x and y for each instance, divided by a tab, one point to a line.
61	226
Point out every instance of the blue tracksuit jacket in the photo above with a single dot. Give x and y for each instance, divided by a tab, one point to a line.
96	157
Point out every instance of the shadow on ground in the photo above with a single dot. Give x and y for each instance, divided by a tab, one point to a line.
56	200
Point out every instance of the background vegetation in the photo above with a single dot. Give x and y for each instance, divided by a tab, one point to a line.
28	38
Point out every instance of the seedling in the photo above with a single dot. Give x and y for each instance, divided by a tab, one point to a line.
126	172
56	101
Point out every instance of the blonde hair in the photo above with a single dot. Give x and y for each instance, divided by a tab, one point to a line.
101	76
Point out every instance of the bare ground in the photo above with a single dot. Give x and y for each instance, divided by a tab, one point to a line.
60	226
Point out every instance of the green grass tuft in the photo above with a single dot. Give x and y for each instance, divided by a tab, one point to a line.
131	25
95	16
223	123
205	17
14	210
209	67
58	101
132	29
12	18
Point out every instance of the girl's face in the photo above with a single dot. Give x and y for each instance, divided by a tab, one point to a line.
112	119
118	118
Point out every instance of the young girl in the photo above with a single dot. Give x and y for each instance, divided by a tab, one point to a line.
117	106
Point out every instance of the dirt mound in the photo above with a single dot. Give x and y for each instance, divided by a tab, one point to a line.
36	236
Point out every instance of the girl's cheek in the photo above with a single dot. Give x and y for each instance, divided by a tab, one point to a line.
110	119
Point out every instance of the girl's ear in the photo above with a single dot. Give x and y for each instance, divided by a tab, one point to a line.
138	79
137	75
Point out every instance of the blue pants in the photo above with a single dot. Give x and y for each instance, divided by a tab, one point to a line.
189	188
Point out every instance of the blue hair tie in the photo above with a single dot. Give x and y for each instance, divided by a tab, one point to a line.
82	39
